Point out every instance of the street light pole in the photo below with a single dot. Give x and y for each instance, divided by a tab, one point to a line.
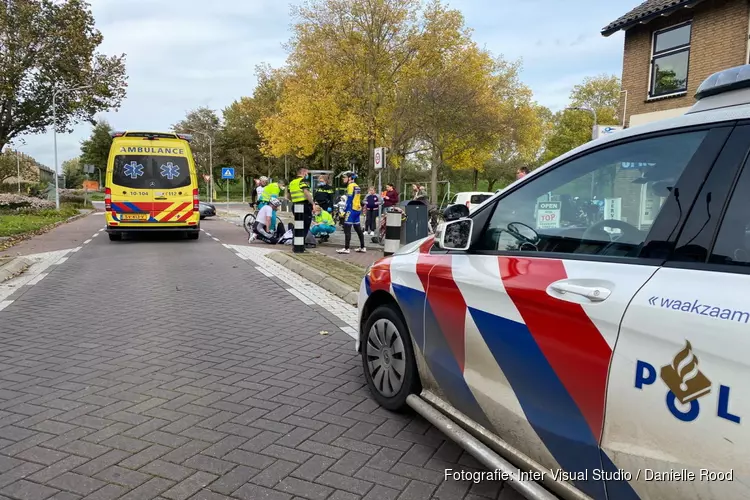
54	133
210	162
18	173
243	179
593	112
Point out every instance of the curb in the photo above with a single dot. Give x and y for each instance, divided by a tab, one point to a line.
14	268
340	289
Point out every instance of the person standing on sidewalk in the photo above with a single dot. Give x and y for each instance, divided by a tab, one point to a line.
372	203
260	186
391	196
272	190
353	213
420	193
324	194
299	193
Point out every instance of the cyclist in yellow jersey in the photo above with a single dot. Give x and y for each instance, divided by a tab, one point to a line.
353	212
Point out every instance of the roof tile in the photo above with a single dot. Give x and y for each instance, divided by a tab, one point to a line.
645	11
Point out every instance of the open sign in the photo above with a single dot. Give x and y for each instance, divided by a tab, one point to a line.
548	214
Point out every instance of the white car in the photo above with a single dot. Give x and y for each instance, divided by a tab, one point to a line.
471	199
601	349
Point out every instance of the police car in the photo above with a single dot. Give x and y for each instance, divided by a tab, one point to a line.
596	349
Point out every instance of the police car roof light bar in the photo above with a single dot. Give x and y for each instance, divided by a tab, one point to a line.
724	81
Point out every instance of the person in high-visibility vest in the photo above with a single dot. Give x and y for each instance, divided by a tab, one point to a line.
272	190
299	193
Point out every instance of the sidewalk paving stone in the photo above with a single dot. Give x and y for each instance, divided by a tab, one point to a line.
170	397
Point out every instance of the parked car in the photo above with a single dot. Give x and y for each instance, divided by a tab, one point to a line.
605	351
207	210
471	199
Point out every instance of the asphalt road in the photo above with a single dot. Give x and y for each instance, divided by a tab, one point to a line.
174	369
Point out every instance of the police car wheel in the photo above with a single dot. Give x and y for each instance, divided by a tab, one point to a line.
388	359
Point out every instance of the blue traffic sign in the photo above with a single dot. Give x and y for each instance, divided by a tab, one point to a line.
227	173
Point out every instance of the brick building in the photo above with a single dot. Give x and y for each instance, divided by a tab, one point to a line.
671	46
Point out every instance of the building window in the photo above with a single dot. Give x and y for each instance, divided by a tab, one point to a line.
670	55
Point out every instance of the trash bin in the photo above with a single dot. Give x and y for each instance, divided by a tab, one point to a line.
416	225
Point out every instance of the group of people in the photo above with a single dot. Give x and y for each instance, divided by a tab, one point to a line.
317	219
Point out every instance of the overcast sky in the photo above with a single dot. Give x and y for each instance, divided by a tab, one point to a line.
191	53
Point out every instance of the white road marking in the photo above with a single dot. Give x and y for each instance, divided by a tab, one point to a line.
102	229
352	332
225	245
87	242
207	233
262	271
303	298
215	239
304	290
95	235
37	279
40	263
5	303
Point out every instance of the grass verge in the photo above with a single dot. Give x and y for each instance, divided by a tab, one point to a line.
15	224
351	274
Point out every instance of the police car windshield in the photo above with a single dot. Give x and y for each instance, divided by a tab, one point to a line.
151	172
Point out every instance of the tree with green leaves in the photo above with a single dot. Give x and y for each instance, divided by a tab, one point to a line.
95	149
572	127
205	126
49	48
73	171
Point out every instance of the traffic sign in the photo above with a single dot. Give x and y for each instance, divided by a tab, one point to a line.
379	158
88	169
206	177
227	173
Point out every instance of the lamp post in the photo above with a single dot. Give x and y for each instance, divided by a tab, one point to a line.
54	133
593	112
210	161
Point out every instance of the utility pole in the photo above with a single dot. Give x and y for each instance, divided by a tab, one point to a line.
18	169
243	179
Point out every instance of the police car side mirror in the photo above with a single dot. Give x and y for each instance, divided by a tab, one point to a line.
454	235
455	212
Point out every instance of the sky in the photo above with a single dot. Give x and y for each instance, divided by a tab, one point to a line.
192	53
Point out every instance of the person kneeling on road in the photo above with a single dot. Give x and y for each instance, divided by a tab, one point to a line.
323	224
265	220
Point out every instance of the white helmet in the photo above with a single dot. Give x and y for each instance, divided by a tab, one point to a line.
263	178
275	202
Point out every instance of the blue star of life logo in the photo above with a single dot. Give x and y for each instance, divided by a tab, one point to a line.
170	171
133	170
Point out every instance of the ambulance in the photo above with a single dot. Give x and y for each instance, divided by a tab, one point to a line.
151	185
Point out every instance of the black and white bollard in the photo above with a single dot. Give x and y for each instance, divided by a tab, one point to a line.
299	228
392	233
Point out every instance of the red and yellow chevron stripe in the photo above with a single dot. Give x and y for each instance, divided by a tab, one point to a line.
168	211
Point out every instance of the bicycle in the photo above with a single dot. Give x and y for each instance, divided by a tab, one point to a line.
250	218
